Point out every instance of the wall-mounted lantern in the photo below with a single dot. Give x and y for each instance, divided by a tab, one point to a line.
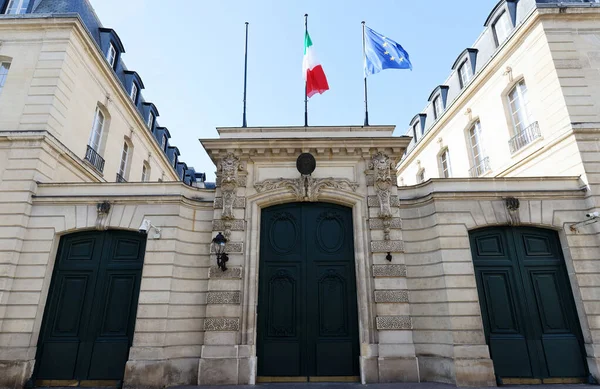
218	247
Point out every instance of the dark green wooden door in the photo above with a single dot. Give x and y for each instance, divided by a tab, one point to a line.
307	312
527	306
90	313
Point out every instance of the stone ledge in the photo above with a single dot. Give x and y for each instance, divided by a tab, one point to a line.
387	246
391	296
240	202
221	324
232	272
377	223
389	270
233	297
393	323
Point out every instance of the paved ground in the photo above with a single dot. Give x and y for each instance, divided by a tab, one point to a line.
423	385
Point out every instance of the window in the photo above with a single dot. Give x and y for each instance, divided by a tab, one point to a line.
438	109
134	93
145	172
464	74
502	28
480	161
163	143
17	7
421	176
4	66
111	56
97	129
124	160
445	164
150	122
519	107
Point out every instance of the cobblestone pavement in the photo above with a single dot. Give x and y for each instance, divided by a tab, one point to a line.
422	385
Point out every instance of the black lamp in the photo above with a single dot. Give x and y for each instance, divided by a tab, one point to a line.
218	246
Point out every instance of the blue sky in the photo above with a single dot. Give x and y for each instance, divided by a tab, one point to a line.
190	55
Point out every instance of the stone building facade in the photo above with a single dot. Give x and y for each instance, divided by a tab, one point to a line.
404	283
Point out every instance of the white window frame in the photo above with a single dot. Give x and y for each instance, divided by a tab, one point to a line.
111	55
465	74
4	69
95	140
145	172
475	144
444	161
502	27
124	159
17	7
150	121
438	107
134	92
518	105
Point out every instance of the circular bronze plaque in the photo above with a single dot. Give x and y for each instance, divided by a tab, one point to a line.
306	163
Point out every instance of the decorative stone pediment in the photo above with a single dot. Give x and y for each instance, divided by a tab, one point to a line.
306	187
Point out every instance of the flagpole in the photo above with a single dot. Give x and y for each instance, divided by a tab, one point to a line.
306	76
244	123
364	67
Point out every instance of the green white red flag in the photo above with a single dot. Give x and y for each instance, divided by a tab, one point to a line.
316	81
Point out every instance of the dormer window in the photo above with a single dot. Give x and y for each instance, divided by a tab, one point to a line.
438	107
163	143
502	28
17	7
464	74
415	130
151	119
134	93
111	55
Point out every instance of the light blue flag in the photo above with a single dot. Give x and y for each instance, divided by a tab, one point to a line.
383	53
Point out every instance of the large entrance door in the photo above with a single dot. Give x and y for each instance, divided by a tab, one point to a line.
528	311
90	313
307	310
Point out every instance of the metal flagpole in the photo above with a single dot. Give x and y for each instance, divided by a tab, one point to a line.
306	75
244	123
364	65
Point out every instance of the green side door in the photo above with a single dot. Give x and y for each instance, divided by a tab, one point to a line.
90	313
307	309
527	306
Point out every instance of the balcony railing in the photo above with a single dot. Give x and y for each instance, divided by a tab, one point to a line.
480	169
120	178
524	137
95	159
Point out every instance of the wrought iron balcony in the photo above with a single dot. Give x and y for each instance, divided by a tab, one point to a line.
95	159
480	169
120	178
524	137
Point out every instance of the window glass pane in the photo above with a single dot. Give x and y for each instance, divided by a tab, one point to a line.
124	156
163	144
437	107
145	172
518	104
421	176
97	129
150	120
445	164
475	143
111	56
3	73
16	7
465	74
134	92
502	27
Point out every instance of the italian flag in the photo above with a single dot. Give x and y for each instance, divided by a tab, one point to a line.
316	82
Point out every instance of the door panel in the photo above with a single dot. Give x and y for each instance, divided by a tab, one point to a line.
527	305
307	314
90	315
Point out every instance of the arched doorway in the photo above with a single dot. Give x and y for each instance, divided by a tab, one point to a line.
527	306
307	309
90	313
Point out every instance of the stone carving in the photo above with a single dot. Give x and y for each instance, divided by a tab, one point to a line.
306	187
382	168
240	202
512	206
223	297
378	224
391	296
387	246
228	168
227	226
373	201
221	324
393	323
103	210
389	270
231	272
231	248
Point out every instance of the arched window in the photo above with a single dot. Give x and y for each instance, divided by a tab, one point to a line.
97	130
465	74
438	107
502	28
125	156
444	162
146	172
479	160
4	67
